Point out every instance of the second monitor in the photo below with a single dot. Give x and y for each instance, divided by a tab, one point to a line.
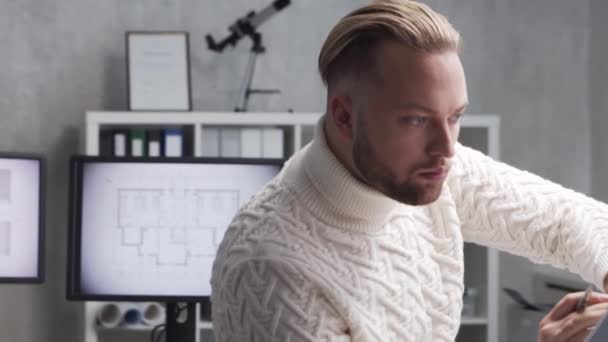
21	218
147	229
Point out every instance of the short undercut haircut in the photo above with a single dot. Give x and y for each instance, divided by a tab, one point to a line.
351	45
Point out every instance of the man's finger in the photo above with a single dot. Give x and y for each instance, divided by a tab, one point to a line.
568	303
581	336
603	306
596	298
565	306
577	323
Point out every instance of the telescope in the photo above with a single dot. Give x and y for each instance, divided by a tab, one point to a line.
246	26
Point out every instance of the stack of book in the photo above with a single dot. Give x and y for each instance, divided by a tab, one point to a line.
217	142
142	142
243	142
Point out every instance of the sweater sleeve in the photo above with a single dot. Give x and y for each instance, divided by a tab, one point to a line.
524	214
261	299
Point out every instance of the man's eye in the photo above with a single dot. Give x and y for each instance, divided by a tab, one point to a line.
417	121
455	118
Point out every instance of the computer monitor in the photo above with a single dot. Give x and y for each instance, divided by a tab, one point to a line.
21	218
147	229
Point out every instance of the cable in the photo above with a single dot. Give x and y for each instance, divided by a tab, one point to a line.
160	335
159	328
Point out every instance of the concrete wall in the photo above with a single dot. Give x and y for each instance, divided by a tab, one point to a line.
525	60
598	99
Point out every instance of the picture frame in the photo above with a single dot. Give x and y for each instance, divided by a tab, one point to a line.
158	71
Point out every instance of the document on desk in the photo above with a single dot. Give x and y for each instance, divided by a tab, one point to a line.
600	333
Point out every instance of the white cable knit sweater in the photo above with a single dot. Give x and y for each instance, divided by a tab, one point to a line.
318	256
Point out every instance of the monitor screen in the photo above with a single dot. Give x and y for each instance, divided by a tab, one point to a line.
21	219
149	228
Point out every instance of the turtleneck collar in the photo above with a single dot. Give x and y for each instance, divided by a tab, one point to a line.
331	192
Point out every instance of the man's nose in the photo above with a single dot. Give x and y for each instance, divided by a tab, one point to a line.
442	141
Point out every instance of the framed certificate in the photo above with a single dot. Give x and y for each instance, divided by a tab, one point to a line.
158	71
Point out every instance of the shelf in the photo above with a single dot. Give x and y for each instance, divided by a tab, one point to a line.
132	327
474	321
208	325
205	325
200	118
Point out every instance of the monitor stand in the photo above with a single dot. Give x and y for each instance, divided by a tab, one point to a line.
205	312
181	322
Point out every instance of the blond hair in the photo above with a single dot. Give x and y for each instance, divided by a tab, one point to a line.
350	46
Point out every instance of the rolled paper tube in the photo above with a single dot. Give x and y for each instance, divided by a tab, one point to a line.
153	313
112	315
109	315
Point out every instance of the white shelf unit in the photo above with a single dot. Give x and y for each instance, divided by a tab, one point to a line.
482	132
478	131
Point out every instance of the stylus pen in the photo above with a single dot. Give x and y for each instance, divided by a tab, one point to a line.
582	302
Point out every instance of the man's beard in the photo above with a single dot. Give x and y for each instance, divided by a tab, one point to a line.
379	177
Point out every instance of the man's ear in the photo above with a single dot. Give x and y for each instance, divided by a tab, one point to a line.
342	116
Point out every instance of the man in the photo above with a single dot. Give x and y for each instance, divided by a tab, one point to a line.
360	237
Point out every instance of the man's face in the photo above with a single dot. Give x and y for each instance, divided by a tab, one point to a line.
407	122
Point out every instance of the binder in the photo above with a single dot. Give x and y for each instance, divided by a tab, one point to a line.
154	141
272	143
106	142
230	142
138	140
211	142
173	138
120	142
251	142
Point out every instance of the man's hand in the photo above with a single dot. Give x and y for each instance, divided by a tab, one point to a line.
564	324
